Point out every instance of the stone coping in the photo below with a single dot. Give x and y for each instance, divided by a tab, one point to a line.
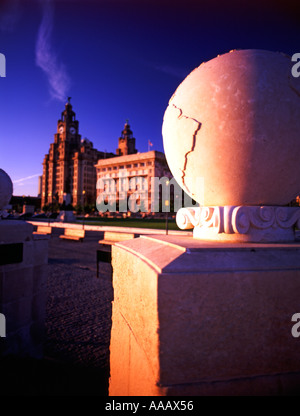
134	230
182	254
13	231
194	244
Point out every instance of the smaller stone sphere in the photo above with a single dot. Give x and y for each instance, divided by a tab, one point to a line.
6	189
231	131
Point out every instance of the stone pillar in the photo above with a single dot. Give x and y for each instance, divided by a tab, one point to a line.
200	318
213	314
23	273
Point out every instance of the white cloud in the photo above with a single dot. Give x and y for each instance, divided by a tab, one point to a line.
47	59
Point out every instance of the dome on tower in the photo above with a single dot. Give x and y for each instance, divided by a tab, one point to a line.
126	132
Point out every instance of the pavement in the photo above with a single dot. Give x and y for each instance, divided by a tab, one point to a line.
78	324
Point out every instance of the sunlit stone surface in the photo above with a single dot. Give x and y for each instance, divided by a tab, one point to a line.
211	315
6	189
23	277
235	121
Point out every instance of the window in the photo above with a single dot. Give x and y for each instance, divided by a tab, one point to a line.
123	184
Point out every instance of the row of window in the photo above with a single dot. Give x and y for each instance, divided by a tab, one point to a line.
87	190
89	167
129	166
120	174
123	184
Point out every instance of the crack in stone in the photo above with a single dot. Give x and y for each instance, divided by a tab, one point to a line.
199	125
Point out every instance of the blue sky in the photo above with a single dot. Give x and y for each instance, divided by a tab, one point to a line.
118	60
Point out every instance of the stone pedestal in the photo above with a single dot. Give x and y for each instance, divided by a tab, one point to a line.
23	272
212	314
194	317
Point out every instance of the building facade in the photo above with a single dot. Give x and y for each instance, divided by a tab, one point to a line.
69	173
125	183
76	173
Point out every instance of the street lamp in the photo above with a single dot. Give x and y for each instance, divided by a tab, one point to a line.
167	203
83	198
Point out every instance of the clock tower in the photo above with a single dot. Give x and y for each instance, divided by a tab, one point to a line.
69	171
68	126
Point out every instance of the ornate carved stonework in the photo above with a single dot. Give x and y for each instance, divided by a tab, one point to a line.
241	223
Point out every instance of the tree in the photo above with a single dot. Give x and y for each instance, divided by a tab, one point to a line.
64	207
78	209
45	208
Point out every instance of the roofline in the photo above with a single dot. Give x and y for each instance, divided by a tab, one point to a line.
130	158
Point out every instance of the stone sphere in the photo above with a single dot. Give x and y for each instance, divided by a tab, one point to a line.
6	189
231	131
